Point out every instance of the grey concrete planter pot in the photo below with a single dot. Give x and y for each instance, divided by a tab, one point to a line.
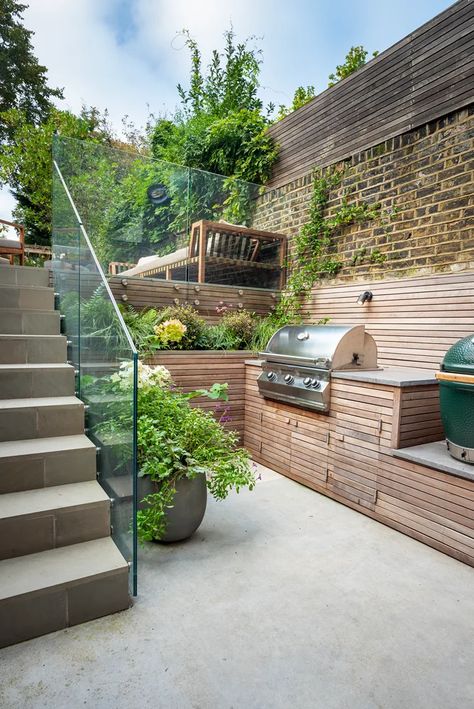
189	506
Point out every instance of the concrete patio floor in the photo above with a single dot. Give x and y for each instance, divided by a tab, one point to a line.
283	598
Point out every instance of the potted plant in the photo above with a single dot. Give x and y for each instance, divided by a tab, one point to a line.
183	452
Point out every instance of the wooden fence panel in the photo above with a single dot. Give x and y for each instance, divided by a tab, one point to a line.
424	76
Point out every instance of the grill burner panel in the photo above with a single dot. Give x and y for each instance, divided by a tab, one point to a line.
313	394
299	359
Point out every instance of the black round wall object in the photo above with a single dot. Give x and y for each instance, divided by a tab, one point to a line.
158	194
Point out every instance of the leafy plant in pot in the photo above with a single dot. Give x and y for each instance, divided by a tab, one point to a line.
183	452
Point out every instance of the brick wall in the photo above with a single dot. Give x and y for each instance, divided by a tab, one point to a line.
423	180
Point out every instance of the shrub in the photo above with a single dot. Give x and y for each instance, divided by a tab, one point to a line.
190	318
218	337
177	441
240	325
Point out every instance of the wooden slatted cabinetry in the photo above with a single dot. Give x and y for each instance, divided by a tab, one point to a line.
428	505
347	455
420	418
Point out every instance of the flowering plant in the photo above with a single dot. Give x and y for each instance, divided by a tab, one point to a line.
176	440
170	331
147	376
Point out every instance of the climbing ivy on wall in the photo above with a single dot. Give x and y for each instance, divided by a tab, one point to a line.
312	257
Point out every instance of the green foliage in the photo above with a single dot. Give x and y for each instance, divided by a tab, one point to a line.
356	57
151	522
141	325
190	317
26	163
176	440
235	331
266	327
231	82
312	256
221	127
301	97
23	85
241	326
376	256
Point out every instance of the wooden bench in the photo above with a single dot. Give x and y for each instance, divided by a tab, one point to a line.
213	246
13	247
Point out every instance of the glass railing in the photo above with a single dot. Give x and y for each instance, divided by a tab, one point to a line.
152	219
105	360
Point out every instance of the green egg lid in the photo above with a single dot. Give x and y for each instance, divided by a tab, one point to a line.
460	357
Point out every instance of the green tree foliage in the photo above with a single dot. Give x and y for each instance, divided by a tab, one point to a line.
26	163
221	126
23	84
301	97
356	57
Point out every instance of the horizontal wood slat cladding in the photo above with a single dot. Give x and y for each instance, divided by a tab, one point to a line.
153	293
414	320
426	75
346	455
193	370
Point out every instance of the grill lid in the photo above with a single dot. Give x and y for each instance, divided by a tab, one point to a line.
328	346
460	357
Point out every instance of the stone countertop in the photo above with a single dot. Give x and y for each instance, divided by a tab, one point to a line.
254	362
435	455
388	376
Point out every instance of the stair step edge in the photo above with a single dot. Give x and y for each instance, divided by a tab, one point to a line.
39	402
41	446
59	567
38	500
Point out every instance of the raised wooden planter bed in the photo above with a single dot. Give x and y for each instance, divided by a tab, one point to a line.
200	369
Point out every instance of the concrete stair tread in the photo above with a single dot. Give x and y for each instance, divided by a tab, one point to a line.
22	336
25	367
60	566
24	286
28	321
39	446
28	310
27	502
49	401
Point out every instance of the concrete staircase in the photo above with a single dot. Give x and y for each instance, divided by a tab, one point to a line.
58	564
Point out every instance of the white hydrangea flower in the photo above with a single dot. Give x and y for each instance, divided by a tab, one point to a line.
148	376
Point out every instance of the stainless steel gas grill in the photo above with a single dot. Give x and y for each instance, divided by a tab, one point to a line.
299	359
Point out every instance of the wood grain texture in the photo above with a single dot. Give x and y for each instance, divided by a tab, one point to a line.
347	455
424	76
414	321
146	292
193	370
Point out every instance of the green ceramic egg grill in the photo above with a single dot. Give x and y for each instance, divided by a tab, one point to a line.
456	393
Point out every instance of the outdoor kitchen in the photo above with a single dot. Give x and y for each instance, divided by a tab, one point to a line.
323	408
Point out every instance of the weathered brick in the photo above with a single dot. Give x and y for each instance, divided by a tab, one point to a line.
426	175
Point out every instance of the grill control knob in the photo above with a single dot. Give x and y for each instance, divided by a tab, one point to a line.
307	381
315	384
289	379
271	376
